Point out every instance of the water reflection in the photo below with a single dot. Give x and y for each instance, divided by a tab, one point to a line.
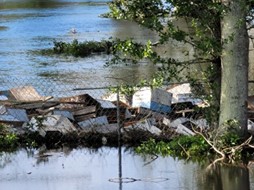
220	177
101	168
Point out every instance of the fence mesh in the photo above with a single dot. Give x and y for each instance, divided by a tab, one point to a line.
53	106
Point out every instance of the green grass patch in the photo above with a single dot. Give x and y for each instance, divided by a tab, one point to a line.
79	49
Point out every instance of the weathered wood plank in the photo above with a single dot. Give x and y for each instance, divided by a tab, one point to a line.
26	93
35	105
84	111
79	118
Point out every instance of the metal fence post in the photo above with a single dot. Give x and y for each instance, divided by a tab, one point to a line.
119	123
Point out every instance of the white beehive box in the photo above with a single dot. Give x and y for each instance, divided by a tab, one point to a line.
155	99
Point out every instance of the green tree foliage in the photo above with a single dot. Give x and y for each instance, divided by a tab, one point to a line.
204	20
214	29
203	17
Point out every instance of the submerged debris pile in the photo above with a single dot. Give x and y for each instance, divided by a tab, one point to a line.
157	112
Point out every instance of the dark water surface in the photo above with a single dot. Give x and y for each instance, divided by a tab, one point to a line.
93	169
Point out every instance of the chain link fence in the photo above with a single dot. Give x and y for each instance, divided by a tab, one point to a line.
73	110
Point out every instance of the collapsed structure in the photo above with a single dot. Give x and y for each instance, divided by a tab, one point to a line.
150	110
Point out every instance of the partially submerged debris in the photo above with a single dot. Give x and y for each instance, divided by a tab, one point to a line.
81	107
185	125
178	125
181	129
150	110
175	122
11	114
109	109
94	122
50	123
145	125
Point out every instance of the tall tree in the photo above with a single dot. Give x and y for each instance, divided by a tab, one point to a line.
219	36
234	60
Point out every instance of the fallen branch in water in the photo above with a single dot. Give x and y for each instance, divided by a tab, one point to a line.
223	156
228	152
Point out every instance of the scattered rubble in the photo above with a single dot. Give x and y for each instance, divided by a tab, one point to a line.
13	115
145	125
24	105
150	110
50	123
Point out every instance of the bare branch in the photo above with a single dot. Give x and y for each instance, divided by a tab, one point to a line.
184	150
235	148
223	156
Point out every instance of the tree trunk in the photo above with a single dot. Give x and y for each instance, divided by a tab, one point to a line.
234	60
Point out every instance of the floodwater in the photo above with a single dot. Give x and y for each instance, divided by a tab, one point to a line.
102	168
27	26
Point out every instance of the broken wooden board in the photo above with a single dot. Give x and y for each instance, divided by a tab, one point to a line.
34	105
104	129
122	98
83	99
94	122
26	94
177	125
82	106
144	125
64	113
109	109
13	115
51	123
84	110
201	123
98	125
84	113
181	129
149	113
175	122
79	118
35	108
